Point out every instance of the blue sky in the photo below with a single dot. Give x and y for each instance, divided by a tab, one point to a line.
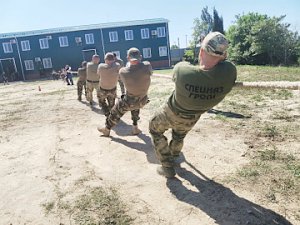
22	15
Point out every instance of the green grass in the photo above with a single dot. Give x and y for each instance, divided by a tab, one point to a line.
100	206
259	73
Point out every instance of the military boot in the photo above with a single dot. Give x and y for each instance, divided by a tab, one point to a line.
168	172
136	130
105	131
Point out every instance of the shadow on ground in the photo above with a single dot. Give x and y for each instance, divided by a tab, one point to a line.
123	129
219	202
228	114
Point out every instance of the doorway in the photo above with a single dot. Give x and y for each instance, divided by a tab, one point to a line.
88	54
8	66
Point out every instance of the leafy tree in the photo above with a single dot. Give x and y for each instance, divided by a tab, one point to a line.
202	26
217	22
174	46
259	39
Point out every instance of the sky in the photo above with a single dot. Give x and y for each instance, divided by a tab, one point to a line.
25	15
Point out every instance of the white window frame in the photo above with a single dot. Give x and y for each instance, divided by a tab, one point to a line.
29	65
163	51
161	32
113	36
145	33
7	47
147	53
89	39
47	63
44	43
128	35
63	41
117	53
25	45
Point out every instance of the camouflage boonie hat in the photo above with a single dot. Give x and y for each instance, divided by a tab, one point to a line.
215	44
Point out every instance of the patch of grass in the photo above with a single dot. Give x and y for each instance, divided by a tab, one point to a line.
166	71
248	172
270	131
100	206
259	73
282	94
276	174
48	207
283	115
267	73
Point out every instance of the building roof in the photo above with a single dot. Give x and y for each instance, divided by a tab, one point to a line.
83	27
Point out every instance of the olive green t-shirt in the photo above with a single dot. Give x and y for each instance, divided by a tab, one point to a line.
91	72
136	79
109	75
82	74
198	90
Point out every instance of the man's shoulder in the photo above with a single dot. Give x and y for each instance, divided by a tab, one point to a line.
124	70
102	65
81	69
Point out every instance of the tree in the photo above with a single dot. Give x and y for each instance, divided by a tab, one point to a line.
174	46
217	22
259	39
202	26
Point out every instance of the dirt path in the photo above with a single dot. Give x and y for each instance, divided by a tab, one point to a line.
50	151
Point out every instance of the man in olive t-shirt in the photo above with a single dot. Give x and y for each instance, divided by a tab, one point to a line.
197	89
109	76
81	83
92	79
136	79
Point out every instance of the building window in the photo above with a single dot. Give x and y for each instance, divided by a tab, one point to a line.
25	45
145	33
117	54
147	53
89	39
47	63
7	47
161	32
29	64
44	44
128	35
63	41
163	51
113	36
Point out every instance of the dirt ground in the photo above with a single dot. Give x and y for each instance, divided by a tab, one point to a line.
51	152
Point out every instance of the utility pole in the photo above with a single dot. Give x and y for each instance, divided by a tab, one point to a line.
186	41
19	54
178	42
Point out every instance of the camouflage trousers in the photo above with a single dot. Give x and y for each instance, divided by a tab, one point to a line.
80	86
180	125
125	104
107	99
122	87
90	86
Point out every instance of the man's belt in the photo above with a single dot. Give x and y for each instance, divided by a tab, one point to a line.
92	81
108	89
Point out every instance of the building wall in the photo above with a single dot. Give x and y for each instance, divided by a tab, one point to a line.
73	53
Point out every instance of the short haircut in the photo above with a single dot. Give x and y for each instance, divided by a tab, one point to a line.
84	63
96	56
